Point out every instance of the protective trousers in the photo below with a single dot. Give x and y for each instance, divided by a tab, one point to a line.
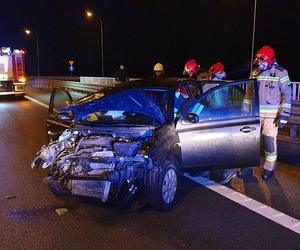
269	131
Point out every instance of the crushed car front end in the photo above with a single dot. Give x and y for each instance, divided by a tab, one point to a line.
97	163
115	149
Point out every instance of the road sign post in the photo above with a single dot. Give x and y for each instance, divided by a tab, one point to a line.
71	67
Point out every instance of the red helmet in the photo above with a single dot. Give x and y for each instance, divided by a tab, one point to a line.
191	66
215	68
265	54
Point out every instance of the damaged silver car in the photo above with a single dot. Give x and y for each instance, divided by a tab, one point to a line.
138	137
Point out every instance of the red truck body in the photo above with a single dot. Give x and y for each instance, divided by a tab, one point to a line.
12	72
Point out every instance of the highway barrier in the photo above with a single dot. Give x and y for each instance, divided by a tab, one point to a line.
79	84
92	84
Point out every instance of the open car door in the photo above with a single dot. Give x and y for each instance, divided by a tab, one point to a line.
57	122
222	128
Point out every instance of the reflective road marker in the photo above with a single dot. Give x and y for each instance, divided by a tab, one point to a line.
258	207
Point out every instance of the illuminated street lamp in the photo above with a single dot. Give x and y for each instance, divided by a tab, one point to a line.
28	33
253	36
90	14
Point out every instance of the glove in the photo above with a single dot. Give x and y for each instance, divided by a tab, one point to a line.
281	121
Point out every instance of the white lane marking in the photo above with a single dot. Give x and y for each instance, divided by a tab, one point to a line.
245	201
278	215
36	101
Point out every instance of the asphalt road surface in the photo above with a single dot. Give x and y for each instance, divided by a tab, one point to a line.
201	219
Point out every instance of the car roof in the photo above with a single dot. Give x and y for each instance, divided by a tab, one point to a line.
164	83
171	83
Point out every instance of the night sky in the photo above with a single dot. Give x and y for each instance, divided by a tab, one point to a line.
140	33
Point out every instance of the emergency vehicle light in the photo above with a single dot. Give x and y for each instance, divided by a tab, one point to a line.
22	79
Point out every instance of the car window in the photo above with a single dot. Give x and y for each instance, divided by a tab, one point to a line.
226	102
195	90
181	96
61	100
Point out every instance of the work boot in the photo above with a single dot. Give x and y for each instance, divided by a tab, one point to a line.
267	175
227	175
245	172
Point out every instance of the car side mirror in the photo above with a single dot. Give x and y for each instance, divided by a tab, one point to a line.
193	118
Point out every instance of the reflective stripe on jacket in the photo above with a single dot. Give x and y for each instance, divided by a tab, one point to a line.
274	93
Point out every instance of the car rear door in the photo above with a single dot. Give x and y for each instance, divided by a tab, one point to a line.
57	123
227	134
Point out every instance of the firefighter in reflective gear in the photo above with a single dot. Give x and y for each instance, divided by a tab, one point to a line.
192	69
216	73
158	70
275	103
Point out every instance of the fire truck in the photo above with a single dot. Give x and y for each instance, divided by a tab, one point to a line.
12	72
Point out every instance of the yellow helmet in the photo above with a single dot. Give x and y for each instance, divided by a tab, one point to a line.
158	67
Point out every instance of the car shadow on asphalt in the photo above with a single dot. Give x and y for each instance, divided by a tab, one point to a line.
277	197
270	193
11	99
252	188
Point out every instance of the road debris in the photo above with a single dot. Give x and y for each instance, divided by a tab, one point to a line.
61	211
10	196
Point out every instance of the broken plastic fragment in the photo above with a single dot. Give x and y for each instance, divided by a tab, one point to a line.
10	196
61	211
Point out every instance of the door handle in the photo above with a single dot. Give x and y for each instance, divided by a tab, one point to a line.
247	129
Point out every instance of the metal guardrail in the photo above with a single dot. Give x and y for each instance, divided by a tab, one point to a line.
59	78
296	91
93	84
75	86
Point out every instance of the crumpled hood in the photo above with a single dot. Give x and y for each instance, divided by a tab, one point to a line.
135	101
117	132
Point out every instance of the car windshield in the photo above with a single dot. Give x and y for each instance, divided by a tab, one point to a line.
133	107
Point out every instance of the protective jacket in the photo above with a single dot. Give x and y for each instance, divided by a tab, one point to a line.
274	93
121	75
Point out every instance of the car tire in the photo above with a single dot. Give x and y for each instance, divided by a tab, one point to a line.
57	189
162	188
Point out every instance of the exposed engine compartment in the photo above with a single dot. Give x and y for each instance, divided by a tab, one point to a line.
93	164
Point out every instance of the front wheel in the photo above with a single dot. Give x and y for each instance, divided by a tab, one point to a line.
162	186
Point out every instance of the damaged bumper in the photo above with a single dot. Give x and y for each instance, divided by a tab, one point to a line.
94	165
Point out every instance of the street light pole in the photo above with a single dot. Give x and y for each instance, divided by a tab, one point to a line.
28	32
38	54
101	33
90	14
253	36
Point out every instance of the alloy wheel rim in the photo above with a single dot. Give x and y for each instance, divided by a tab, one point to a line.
169	186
